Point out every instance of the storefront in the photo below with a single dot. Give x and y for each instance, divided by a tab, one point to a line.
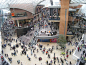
23	23
48	40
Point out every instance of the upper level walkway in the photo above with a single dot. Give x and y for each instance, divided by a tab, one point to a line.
0	49
0	43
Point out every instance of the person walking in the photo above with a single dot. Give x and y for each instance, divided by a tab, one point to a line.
58	60
78	49
83	52
62	62
70	63
51	61
54	62
7	55
16	40
47	62
29	58
70	52
27	55
66	52
48	56
67	56
51	51
66	62
37	51
46	52
18	61
2	51
31	53
43	51
21	63
56	47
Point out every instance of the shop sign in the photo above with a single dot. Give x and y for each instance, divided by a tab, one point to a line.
12	14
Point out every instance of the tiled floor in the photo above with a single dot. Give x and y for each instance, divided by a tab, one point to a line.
25	61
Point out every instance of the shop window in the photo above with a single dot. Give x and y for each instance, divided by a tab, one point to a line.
20	14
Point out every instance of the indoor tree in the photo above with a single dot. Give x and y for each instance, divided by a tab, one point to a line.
61	41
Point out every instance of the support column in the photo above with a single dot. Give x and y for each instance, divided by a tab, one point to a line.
51	12
18	23
64	17
57	11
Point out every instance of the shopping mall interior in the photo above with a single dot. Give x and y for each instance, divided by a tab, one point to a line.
42	32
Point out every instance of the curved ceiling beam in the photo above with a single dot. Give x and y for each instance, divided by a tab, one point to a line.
37	4
22	9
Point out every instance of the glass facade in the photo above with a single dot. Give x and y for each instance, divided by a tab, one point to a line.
5	3
25	22
78	1
2	18
55	15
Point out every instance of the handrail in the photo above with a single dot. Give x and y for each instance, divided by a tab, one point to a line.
1	49
76	50
6	60
47	37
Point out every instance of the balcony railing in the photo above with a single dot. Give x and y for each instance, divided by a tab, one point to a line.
79	15
54	18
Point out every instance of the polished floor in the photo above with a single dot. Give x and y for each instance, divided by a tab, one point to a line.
25	61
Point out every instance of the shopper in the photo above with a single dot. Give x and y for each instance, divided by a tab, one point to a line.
47	62
18	61
70	52
70	63
2	51
21	63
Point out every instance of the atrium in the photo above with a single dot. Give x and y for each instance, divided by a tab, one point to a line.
42	32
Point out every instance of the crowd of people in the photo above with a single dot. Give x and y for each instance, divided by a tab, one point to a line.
35	49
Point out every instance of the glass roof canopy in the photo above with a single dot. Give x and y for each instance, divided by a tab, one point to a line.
78	1
4	4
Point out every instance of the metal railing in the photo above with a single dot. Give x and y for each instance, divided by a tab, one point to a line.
54	18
